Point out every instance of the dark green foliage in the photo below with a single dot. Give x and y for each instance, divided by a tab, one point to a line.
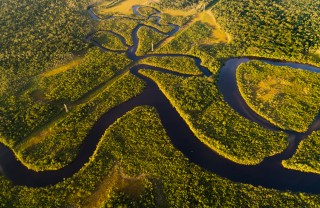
281	29
19	116
165	28
96	68
33	32
137	144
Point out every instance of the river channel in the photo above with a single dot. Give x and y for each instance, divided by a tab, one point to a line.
269	173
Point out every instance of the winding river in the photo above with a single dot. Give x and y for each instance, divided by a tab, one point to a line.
269	173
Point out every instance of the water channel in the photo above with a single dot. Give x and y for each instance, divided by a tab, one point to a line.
269	173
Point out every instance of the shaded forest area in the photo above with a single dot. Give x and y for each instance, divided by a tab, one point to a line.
280	29
37	33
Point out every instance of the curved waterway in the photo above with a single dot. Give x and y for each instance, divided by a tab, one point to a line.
269	173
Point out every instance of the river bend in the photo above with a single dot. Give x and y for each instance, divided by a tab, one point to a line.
269	173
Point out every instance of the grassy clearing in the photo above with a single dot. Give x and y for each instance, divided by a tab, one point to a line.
197	30
217	35
132	186
288	98
63	68
215	123
307	155
103	190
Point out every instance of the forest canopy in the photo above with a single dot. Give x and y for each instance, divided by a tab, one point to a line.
285	28
37	33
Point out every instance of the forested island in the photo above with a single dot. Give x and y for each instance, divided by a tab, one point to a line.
159	103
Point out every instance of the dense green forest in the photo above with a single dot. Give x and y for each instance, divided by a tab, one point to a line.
215	123
57	144
307	156
286	29
109	40
148	37
37	34
287	97
141	168
188	39
182	64
47	61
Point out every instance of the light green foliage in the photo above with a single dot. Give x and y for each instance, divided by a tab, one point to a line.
96	67
146	11
121	26
191	37
215	123
147	36
287	97
163	28
109	41
178	20
307	156
59	147
182	4
183	65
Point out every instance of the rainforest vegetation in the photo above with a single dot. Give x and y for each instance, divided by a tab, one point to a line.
149	38
285	96
109	40
307	156
55	146
185	65
55	84
36	35
139	167
216	124
288	29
